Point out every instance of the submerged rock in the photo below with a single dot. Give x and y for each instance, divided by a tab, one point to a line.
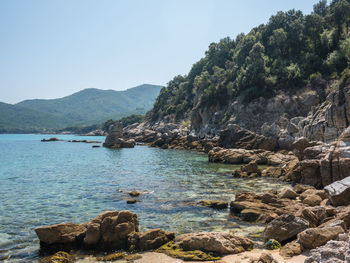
216	204
131	201
135	193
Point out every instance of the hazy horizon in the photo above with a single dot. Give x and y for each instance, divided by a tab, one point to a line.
51	49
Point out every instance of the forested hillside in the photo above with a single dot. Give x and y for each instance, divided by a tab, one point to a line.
286	54
86	107
14	119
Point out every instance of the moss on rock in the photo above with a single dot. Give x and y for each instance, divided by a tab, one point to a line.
59	257
175	251
273	244
119	256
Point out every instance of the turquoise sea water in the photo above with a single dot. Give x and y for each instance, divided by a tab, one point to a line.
44	183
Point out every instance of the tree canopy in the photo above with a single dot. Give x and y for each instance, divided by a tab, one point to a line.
283	54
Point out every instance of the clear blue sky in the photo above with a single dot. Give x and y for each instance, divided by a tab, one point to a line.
52	48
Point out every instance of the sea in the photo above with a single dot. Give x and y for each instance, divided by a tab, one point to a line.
44	183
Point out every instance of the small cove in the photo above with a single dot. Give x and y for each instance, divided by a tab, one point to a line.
43	183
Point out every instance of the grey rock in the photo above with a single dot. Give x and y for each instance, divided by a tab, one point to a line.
339	192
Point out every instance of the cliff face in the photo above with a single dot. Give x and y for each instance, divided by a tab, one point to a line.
329	119
318	112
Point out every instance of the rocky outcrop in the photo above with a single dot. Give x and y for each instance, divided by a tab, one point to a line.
236	137
108	230
267	117
328	120
216	242
334	251
115	139
242	156
323	164
339	192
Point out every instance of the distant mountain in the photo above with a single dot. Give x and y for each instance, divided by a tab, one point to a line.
88	106
14	119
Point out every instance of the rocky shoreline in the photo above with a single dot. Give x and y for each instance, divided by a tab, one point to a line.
296	220
313	214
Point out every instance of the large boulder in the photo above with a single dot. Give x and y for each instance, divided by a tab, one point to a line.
285	227
109	230
315	237
216	242
115	229
339	192
66	233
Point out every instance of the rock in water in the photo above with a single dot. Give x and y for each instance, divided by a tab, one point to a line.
215	242
115	139
216	204
339	192
60	233
108	230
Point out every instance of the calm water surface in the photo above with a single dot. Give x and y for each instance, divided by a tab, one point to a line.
43	183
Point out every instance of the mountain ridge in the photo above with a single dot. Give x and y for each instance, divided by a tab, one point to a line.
85	107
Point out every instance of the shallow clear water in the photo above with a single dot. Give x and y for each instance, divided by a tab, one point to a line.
43	183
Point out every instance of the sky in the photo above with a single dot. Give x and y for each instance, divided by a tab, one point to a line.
51	49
